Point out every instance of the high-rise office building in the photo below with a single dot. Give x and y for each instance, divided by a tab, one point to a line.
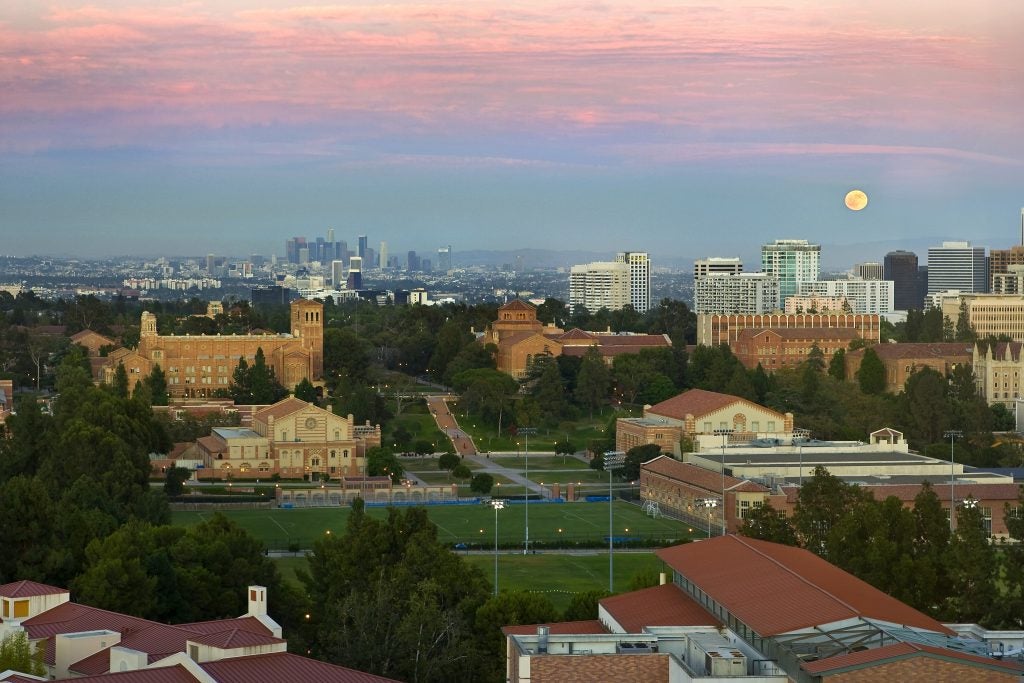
412	262
639	278
717	265
341	251
362	247
901	267
444	258
370	259
211	263
337	273
957	265
355	273
600	285
869	270
792	262
383	255
736	293
863	296
330	235
303	254
291	249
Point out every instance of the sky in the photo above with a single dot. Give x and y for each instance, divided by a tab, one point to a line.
686	129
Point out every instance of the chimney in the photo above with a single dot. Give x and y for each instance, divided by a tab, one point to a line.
257	601
127	659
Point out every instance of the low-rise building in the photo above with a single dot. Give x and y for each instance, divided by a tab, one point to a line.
775	348
904	359
714	329
696	413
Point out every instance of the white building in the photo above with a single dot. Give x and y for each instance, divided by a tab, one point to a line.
338	274
792	262
716	265
600	285
736	293
639	278
864	296
957	265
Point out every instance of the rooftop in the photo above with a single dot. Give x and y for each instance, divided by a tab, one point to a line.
698	402
665	605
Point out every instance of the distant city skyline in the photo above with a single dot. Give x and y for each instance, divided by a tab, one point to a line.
686	129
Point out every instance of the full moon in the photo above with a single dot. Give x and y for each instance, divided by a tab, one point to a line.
856	200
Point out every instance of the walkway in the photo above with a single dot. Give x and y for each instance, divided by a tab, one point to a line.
462	441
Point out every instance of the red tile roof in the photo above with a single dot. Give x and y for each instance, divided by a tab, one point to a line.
517	305
212	444
28	589
900	651
665	605
698	402
918	350
812	333
235	638
775	589
688	473
281	408
170	674
283	666
907	492
251	624
560	628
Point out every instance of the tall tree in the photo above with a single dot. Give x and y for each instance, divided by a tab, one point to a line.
823	501
837	366
871	374
972	568
593	381
17	654
768	524
156	382
120	384
964	331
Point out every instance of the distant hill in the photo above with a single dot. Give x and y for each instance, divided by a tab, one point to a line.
552	258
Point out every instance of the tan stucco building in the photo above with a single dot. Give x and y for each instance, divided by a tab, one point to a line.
292	438
903	360
997	372
990	315
198	365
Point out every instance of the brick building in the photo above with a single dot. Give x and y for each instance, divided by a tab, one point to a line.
774	348
745	609
198	365
293	439
903	360
715	328
698	413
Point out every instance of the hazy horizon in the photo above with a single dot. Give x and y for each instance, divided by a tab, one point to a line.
681	129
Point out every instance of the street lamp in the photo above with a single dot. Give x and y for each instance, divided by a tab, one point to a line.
803	435
613	460
710	504
497	505
526	431
952	435
724	433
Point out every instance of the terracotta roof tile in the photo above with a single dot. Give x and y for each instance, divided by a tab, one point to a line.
918	350
698	402
235	638
283	666
517	305
169	674
212	444
28	589
899	651
281	408
665	605
559	628
671	468
775	589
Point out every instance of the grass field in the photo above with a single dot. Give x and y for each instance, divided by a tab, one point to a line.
558	577
565	524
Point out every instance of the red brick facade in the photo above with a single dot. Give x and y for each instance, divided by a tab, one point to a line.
922	669
647	668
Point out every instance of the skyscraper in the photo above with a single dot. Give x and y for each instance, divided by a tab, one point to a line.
957	265
383	256
412	263
717	265
901	267
211	262
792	262
600	285
639	278
736	293
355	273
337	273
444	258
869	270
362	247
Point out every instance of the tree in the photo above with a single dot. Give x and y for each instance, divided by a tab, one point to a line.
584	606
837	366
448	461
972	569
768	524
871	374
305	391
548	391
964	331
256	384
156	382
381	461
461	471
593	381
482	483
120	383
17	654
506	609
636	456
174	479
925	407
823	501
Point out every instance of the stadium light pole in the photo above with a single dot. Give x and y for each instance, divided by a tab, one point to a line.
952	435
497	505
526	431
613	460
724	433
710	504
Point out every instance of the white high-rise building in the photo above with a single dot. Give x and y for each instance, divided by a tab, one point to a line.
716	265
957	265
338	274
736	293
863	296
639	278
383	255
600	285
792	262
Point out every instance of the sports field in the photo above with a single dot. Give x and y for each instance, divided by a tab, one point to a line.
566	524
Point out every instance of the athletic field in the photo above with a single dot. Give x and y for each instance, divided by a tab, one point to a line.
566	524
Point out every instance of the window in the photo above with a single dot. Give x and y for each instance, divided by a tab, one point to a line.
20	609
771	425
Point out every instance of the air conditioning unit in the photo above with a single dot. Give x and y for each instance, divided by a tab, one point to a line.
636	648
724	662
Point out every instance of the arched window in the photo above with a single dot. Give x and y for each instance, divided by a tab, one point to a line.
344	453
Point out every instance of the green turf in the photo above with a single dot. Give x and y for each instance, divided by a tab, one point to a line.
558	577
541	462
568	524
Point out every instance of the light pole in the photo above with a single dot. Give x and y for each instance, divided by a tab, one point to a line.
526	431
497	505
724	433
952	435
803	435
710	504
613	460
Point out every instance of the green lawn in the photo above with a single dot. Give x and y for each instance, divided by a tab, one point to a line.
558	577
542	462
568	524
579	432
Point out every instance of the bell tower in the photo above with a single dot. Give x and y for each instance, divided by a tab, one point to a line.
308	325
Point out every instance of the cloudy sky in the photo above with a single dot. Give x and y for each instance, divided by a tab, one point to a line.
683	128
